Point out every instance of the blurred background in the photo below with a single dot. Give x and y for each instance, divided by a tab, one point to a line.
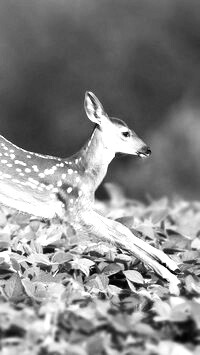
140	57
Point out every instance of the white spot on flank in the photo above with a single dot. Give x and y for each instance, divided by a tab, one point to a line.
35	168
20	162
64	176
4	161
18	170
41	175
76	161
71	200
21	174
16	181
70	163
27	170
12	151
6	154
76	172
12	156
28	156
46	171
59	183
55	189
69	190
0	154
61	165
7	176
33	181
77	179
49	171
40	188
5	147
49	187
70	171
9	165
80	193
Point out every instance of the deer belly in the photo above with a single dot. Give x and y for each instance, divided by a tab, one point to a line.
40	204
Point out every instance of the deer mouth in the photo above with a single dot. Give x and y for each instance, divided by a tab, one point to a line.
144	153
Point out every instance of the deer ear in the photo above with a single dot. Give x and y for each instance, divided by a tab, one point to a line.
94	108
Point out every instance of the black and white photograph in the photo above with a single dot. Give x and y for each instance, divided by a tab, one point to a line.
99	177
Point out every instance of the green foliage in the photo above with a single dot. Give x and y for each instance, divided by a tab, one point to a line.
62	294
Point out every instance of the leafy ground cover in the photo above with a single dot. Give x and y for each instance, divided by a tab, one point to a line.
60	294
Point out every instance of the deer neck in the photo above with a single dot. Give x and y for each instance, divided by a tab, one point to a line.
95	157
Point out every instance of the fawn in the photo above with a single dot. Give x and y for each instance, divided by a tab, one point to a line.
48	186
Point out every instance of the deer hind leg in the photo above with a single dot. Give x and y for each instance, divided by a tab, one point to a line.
119	235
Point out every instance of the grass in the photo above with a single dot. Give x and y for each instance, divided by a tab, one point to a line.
60	294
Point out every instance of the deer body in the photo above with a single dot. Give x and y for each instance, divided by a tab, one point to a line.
47	186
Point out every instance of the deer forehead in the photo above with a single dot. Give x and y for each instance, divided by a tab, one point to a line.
114	126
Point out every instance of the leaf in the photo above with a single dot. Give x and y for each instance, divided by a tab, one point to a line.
98	283
61	257
123	258
196	243
36	290
3	219
126	221
190	256
131	286
191	284
41	291
176	242
134	276
159	215
95	345
49	238
195	312
15	264
114	290
38	259
35	224
163	311
181	313
112	269
13	287
36	247
98	249
82	264
147	230
4	257
145	329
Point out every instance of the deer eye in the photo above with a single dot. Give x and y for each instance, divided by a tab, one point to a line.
126	134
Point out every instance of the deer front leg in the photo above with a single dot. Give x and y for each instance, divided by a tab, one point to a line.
119	235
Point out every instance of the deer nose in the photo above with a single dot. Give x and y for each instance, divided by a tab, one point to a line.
144	151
